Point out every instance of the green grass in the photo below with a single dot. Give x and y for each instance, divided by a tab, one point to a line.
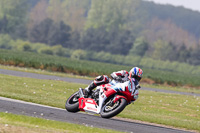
48	92
82	67
168	109
19	124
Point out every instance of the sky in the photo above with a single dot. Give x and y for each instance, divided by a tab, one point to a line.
191	4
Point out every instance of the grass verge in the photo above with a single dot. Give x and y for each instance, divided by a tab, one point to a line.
25	124
168	109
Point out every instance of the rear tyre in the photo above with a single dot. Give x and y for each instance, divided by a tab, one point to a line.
109	111
72	104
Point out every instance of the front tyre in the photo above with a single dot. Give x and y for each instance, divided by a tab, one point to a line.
109	110
72	104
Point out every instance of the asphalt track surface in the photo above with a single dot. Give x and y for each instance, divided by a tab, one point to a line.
51	113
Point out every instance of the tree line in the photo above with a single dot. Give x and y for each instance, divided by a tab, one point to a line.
117	27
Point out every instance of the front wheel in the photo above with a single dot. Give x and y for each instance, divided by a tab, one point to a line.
72	104
109	110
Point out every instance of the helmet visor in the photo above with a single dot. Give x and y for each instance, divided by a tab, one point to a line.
138	78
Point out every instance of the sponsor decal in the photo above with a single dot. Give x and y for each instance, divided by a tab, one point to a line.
90	101
90	108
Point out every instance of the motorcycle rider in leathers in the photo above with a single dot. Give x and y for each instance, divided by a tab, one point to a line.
122	76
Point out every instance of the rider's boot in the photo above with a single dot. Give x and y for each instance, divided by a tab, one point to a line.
88	90
85	93
103	79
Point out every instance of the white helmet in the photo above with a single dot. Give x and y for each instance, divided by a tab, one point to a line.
136	73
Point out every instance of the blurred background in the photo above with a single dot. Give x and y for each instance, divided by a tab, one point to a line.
87	38
128	32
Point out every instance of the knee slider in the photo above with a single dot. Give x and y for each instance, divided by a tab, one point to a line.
99	78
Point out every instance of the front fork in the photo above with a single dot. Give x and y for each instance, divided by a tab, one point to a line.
81	93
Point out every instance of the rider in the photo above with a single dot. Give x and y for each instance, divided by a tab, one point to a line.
120	76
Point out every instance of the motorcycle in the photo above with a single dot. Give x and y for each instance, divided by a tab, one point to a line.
108	100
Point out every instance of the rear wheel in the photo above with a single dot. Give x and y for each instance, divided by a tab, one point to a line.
72	103
111	109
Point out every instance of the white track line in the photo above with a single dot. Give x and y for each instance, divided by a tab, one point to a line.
29	103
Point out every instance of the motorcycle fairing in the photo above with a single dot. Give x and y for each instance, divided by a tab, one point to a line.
89	105
125	89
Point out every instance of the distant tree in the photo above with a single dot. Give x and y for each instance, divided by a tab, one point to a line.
5	41
169	32
40	32
139	47
121	41
95	39
27	48
59	33
51	33
171	52
75	40
183	54
115	41
58	50
164	51
37	14
32	3
3	25
195	56
111	13
56	10
78	54
15	13
77	13
71	12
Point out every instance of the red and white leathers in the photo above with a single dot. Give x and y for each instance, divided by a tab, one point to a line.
103	79
120	75
125	81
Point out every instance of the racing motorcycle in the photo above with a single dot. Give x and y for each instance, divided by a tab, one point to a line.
108	100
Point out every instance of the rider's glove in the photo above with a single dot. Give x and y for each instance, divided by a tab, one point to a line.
117	78
137	86
113	76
